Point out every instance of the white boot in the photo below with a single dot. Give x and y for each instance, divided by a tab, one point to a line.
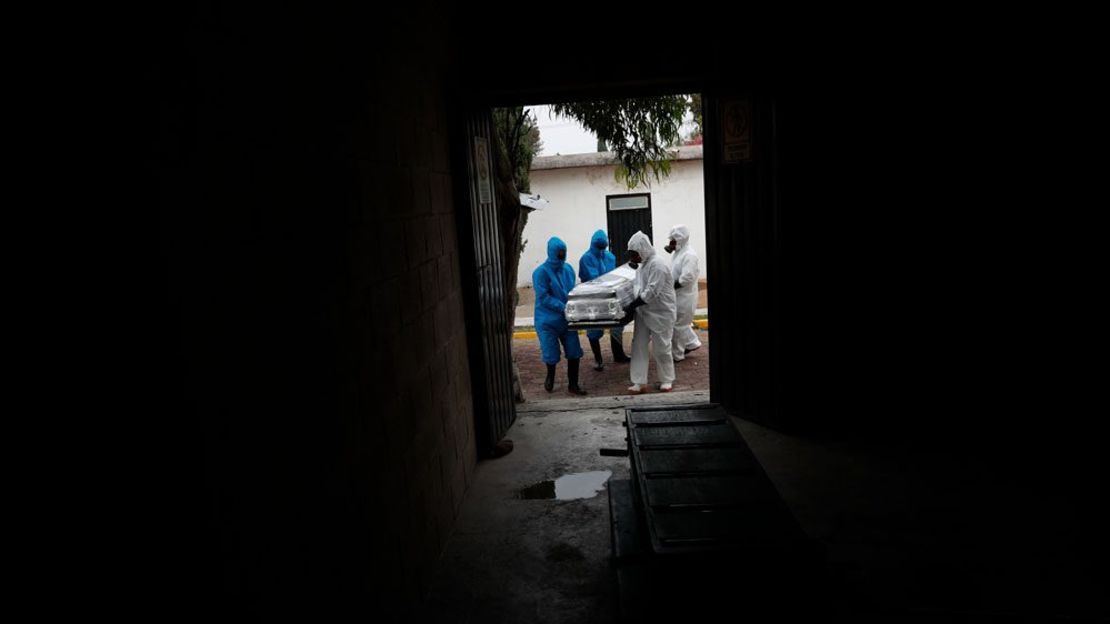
665	387
635	389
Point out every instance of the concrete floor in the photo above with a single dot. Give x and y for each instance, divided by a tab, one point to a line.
515	560
909	535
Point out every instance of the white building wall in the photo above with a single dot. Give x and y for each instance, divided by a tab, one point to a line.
577	210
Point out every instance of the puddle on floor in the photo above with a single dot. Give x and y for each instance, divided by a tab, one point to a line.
568	487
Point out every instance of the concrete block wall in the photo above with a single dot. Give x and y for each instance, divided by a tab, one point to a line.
320	361
415	358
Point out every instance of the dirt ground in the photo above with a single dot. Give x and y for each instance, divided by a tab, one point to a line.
690	374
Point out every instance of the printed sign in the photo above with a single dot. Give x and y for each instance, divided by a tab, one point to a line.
736	130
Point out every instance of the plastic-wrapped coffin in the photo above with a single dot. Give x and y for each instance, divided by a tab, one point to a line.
601	302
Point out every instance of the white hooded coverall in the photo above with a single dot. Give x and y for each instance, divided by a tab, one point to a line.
654	319
684	271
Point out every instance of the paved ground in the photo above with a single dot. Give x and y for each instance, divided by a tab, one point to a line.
690	374
911	534
515	560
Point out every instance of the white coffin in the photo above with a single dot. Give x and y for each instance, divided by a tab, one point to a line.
601	302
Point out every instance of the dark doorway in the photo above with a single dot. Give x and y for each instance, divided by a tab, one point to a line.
626	215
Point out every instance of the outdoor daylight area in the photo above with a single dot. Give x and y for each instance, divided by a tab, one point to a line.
577	189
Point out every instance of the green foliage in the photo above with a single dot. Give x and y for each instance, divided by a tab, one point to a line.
695	108
519	141
638	130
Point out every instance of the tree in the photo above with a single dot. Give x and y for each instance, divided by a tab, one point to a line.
695	137
519	142
516	142
638	131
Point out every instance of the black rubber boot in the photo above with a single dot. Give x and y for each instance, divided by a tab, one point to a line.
595	346
618	350
549	383
572	375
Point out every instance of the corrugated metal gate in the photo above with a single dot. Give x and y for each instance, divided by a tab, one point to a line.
483	289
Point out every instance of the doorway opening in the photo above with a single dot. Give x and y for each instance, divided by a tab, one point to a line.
577	187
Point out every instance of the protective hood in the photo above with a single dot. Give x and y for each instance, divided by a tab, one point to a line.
680	234
641	244
553	247
599	237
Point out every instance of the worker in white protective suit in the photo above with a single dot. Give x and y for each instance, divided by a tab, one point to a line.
684	271
654	313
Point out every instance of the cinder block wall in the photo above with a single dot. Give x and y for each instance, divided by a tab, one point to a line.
317	331
408	380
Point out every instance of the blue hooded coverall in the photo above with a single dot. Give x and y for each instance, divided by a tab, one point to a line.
552	280
595	263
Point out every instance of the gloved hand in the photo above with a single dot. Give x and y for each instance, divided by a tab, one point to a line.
677	285
629	314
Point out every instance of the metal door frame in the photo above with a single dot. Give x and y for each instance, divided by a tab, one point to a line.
489	350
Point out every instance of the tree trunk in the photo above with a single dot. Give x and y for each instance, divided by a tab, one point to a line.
512	220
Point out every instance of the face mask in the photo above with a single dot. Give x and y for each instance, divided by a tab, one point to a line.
634	265
600	245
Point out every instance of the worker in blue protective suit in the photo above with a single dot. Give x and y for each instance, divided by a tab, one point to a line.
552	280
598	261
